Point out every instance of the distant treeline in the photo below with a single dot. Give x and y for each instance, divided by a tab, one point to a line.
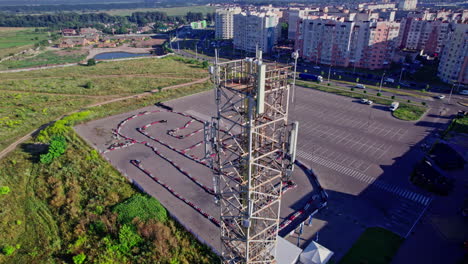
61	20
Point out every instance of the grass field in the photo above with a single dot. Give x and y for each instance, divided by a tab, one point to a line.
31	99
172	11
44	58
80	208
14	40
376	245
407	112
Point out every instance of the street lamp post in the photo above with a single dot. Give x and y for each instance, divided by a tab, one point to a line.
329	70
295	56
381	82
451	90
401	74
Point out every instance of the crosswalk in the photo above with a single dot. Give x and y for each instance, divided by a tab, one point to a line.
416	197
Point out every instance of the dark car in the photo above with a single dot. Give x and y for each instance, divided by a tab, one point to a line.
429	176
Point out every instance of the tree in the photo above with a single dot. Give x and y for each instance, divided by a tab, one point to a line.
205	64
357	79
91	62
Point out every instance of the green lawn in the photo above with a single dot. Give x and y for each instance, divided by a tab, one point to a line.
44	58
13	40
375	246
31	99
171	11
407	112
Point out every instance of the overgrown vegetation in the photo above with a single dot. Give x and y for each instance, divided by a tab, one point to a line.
46	58
376	245
409	112
15	40
31	99
57	147
458	125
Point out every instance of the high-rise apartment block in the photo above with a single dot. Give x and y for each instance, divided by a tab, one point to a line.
362	44
408	4
253	29
453	66
224	22
428	36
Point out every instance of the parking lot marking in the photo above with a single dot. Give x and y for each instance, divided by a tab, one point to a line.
418	198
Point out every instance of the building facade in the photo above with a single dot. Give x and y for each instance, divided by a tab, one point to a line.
252	30
361	44
408	4
453	66
224	22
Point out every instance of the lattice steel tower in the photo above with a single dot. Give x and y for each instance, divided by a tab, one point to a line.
253	149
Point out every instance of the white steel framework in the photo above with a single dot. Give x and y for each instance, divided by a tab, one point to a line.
250	150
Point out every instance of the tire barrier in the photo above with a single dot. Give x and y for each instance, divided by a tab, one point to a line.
137	164
286	186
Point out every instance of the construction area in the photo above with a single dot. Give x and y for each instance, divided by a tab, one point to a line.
225	168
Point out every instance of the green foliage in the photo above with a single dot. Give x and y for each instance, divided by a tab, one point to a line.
18	222
393	97
141	206
128	239
91	62
352	88
409	101
205	64
88	85
79	259
379	94
328	84
423	103
364	91
357	79
398	87
58	146
8	250
409	112
4	190
62	126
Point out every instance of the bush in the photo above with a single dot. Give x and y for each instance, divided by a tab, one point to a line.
79	259
205	64
142	206
398	86
4	190
409	101
393	97
57	147
423	103
8	250
328	84
91	62
88	85
364	91
60	127
352	89
379	94
128	238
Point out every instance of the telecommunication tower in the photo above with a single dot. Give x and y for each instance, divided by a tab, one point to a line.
252	146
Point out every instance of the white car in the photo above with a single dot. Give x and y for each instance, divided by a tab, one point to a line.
360	86
364	101
369	102
316	67
464	92
441	96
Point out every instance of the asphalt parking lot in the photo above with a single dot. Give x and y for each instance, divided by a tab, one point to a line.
361	154
174	174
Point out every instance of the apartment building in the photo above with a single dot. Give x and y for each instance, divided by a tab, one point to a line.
224	22
423	35
453	66
254	29
361	44
407	4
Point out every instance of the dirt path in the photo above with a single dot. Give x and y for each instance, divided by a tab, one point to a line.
13	145
162	75
61	94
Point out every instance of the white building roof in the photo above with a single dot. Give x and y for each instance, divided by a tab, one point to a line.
315	253
286	252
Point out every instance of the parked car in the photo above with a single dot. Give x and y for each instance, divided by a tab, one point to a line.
360	86
394	106
441	96
364	100
316	68
389	80
464	92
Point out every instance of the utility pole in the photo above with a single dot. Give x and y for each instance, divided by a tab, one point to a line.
295	56
451	90
196	51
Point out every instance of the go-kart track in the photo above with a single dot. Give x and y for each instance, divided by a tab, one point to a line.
161	151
